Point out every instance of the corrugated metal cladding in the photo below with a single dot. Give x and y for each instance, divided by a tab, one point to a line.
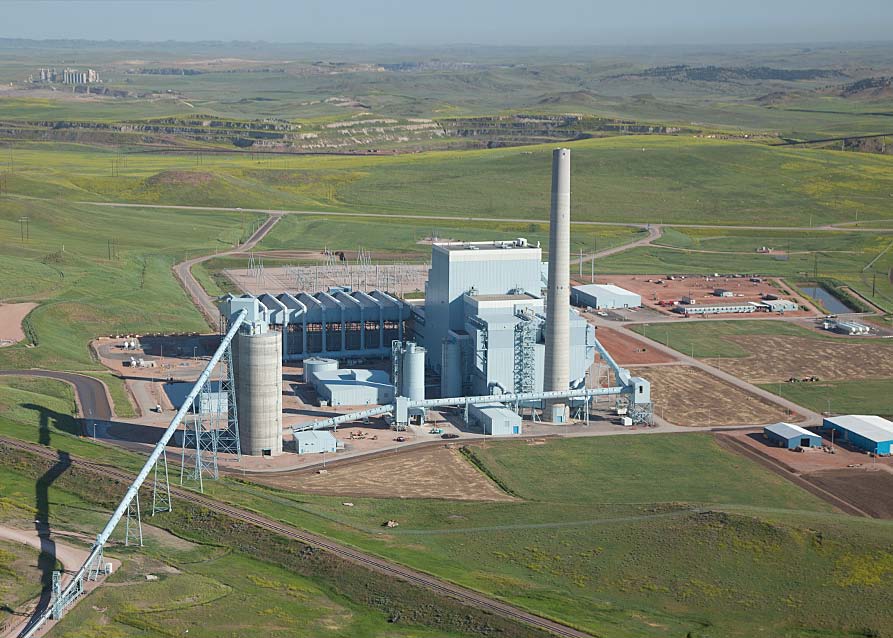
353	387
473	297
315	442
486	267
495	419
339	325
604	296
791	436
494	323
870	433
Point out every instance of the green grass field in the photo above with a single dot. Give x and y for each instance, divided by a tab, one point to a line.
407	239
630	536
673	180
65	265
712	340
707	339
870	396
200	589
19	579
623	536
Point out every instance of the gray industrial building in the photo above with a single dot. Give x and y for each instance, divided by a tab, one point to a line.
780	305
483	322
495	419
604	297
339	325
315	442
353	387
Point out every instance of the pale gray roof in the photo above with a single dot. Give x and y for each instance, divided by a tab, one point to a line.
320	436
873	428
788	430
595	289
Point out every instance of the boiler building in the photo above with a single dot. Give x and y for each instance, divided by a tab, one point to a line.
484	320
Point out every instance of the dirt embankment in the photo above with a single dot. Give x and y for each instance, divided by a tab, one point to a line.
430	472
11	318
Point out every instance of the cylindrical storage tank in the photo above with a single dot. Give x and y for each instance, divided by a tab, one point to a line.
413	373
451	370
257	361
317	364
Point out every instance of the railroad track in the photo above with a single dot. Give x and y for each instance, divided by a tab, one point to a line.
374	563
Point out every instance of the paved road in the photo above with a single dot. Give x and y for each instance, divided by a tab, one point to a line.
91	394
202	299
275	211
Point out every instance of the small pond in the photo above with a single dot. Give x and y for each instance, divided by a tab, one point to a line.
821	294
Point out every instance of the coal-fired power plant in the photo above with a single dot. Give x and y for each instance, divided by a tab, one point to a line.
257	359
556	372
494	329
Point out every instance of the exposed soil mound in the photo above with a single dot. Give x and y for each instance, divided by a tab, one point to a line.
180	178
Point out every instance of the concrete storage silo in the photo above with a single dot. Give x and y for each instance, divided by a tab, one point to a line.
317	364
257	360
412	382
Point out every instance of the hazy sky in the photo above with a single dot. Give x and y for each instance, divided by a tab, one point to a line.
577	22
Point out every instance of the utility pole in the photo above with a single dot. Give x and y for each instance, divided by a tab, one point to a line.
873	283
23	228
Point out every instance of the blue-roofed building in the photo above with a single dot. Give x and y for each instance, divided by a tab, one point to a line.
791	436
870	433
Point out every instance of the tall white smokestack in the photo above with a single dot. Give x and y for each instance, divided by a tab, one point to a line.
558	303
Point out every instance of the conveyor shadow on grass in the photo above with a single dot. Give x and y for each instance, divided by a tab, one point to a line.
46	561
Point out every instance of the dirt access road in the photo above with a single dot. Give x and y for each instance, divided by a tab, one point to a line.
205	302
71	558
328	213
183	270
